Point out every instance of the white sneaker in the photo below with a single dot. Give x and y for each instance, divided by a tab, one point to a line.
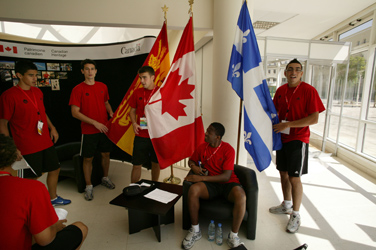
191	238
233	241
294	223
107	183
89	194
280	209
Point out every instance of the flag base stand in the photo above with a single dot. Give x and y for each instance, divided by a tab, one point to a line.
172	179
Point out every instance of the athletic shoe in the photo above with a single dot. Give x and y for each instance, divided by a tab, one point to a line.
190	239
280	209
233	241
294	223
108	183
60	201
89	194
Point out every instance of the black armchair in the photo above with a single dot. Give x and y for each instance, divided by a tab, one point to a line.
71	165
221	209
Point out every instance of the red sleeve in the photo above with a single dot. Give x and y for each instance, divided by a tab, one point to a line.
314	104
75	98
42	214
229	159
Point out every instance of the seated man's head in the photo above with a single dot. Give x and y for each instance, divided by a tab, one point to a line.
8	151
214	132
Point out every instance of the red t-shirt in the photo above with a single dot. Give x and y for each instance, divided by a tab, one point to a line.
25	210
91	101
215	160
138	100
18	108
300	102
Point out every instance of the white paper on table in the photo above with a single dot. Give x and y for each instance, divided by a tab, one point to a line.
61	213
161	196
22	164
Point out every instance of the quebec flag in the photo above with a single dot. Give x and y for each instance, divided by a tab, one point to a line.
246	75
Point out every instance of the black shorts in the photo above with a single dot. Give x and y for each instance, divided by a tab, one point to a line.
143	151
67	239
293	158
95	142
220	189
41	162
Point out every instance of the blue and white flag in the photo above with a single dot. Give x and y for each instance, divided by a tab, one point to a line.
246	75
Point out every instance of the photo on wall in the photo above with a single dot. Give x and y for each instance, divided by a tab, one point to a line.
48	74
66	67
55	85
62	75
6	75
44	83
7	64
15	81
40	65
53	66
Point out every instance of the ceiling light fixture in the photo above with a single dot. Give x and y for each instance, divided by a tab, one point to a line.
264	25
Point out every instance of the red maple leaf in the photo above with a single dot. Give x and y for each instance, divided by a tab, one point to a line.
8	49
172	92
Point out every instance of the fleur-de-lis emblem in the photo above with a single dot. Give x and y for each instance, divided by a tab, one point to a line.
235	70
247	137
245	34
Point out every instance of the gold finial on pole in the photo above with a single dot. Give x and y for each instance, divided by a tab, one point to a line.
164	10
190	7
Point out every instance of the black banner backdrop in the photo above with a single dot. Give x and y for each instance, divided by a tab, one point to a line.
59	71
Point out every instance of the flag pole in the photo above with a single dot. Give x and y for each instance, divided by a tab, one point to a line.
172	179
239	130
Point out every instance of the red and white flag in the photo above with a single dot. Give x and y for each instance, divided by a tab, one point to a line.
173	115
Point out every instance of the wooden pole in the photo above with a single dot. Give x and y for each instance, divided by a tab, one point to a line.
239	130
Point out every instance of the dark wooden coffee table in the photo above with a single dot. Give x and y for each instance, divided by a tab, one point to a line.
144	212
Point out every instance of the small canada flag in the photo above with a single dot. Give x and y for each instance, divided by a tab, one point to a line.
8	49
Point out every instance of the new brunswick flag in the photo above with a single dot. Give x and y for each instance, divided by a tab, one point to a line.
120	130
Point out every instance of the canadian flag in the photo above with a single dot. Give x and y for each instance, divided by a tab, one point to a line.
15	51
173	115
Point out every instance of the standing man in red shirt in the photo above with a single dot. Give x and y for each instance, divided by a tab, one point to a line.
143	150
89	104
213	166
298	105
33	132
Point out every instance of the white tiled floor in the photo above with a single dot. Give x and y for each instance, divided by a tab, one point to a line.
338	212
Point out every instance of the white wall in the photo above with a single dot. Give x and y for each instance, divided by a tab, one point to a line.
114	13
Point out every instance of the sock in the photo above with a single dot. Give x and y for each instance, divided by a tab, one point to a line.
287	204
196	228
232	234
89	186
105	178
295	212
54	199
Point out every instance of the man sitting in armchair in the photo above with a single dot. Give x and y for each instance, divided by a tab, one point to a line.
212	164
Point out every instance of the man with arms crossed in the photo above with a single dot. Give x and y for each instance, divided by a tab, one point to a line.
26	212
298	106
217	159
22	107
89	104
143	149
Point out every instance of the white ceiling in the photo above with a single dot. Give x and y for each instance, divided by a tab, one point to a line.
305	19
298	19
